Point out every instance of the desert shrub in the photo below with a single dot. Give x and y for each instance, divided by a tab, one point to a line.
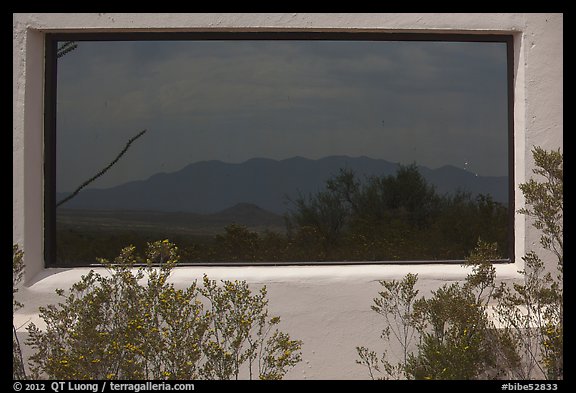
395	217
133	324
445	336
532	312
458	340
395	304
239	332
237	243
456	334
18	371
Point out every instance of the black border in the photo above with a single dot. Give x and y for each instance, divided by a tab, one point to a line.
275	35
50	94
511	157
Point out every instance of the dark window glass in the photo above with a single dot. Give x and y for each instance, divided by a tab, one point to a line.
290	150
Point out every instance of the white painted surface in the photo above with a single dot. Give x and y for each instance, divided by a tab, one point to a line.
328	307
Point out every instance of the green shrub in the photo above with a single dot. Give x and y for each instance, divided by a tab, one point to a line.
454	336
133	324
532	313
446	336
395	217
396	305
18	371
457	337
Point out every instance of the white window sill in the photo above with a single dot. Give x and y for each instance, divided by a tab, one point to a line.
52	278
41	290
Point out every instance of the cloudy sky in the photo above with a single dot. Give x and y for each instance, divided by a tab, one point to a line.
433	103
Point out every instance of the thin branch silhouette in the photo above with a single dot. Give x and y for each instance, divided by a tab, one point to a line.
66	48
103	171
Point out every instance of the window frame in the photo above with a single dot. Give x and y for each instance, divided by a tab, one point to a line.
50	95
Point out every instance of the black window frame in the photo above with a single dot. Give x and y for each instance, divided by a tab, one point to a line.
50	94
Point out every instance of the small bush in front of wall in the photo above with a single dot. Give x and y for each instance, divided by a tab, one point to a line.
18	371
446	336
457	338
133	324
451	335
532	313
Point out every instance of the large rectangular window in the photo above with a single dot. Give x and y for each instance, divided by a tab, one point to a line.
278	147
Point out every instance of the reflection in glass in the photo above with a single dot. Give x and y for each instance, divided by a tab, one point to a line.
265	151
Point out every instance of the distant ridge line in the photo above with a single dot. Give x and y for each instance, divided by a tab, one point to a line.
212	186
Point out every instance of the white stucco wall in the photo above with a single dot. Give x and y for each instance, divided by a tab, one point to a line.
328	307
